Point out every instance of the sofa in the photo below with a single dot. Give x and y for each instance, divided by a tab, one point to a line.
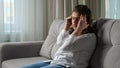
106	53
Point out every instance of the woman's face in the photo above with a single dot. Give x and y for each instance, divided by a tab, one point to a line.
75	19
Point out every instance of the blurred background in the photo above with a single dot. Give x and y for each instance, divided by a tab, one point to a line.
30	20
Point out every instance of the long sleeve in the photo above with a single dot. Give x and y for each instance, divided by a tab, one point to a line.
61	37
68	41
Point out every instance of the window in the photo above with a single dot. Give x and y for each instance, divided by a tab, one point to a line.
9	17
113	9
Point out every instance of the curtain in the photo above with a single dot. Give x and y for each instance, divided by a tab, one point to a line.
1	21
97	8
30	20
82	2
113	9
22	20
9	29
64	8
29	14
59	9
104	8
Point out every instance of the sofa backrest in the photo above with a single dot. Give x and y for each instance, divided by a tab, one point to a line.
49	47
107	53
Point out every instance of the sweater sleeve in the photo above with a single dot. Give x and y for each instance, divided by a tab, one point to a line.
68	41
62	36
80	43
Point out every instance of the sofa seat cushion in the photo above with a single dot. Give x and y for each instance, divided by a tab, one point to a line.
18	63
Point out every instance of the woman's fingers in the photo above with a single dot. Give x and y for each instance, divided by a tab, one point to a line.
81	17
85	18
82	24
69	17
81	20
68	22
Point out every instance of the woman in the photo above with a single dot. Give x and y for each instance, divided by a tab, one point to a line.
76	41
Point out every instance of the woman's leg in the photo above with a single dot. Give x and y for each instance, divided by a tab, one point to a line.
37	65
53	66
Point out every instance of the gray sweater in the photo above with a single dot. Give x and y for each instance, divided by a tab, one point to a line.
74	51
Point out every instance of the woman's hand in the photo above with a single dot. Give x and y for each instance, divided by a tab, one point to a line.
68	23
82	24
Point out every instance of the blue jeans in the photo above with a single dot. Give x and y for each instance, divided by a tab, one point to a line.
43	65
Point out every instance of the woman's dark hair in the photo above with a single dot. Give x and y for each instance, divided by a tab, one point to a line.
84	10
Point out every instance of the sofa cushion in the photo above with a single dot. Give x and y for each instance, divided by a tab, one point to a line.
112	59
115	33
108	36
51	39
18	63
55	47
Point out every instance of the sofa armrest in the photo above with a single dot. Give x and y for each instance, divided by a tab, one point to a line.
19	50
